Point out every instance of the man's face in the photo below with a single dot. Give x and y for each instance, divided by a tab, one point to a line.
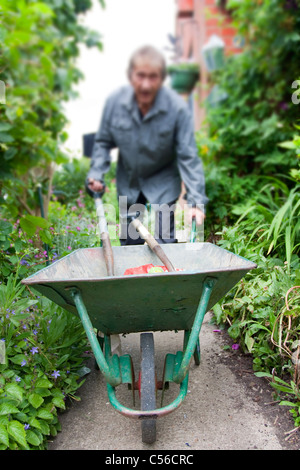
146	80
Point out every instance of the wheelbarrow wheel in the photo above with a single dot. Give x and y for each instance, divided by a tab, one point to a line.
100	338
148	386
197	354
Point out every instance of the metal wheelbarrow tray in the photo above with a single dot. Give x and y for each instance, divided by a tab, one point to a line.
142	303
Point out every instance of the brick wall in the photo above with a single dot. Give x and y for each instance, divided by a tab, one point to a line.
196	22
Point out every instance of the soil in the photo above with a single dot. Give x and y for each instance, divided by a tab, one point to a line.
261	392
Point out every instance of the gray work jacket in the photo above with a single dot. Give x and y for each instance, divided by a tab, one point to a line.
156	152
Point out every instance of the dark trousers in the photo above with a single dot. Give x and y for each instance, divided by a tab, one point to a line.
164	225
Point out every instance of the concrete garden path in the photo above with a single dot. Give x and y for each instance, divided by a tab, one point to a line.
227	407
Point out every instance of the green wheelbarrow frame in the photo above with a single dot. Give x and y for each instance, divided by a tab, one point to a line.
118	369
170	301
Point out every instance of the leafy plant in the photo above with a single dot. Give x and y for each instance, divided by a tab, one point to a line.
258	114
272	219
44	347
262	311
291	390
39	42
188	66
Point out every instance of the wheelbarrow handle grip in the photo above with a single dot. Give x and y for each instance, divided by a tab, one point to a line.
94	194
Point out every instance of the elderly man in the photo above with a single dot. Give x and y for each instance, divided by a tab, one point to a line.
152	127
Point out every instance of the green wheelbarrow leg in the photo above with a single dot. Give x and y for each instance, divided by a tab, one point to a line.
182	367
112	374
197	352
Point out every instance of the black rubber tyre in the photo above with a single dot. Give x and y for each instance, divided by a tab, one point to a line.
148	386
101	343
197	355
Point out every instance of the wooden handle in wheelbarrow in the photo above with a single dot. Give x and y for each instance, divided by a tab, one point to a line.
104	235
154	245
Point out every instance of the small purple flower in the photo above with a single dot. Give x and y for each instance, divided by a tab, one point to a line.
34	350
23	262
35	332
55	374
18	379
283	106
235	346
26	426
23	363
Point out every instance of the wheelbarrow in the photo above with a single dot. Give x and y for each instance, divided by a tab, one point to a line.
144	304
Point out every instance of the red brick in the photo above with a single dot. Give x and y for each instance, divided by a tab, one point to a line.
228	20
213	10
186	5
228	41
228	31
212	22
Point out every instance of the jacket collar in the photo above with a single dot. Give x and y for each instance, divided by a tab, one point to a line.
160	103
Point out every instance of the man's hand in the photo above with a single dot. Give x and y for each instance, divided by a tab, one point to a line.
95	185
197	213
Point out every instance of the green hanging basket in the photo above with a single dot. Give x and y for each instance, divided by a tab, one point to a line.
183	77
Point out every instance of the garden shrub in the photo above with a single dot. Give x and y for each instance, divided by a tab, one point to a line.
250	148
39	44
41	345
42	353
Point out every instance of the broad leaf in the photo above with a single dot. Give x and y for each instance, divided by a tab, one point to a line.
17	432
4	435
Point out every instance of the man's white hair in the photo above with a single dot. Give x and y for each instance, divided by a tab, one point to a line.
151	55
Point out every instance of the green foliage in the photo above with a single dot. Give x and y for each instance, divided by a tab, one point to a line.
39	44
245	134
74	209
69	178
250	148
43	355
294	145
41	345
188	66
290	389
28	243
271	217
260	315
73	226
